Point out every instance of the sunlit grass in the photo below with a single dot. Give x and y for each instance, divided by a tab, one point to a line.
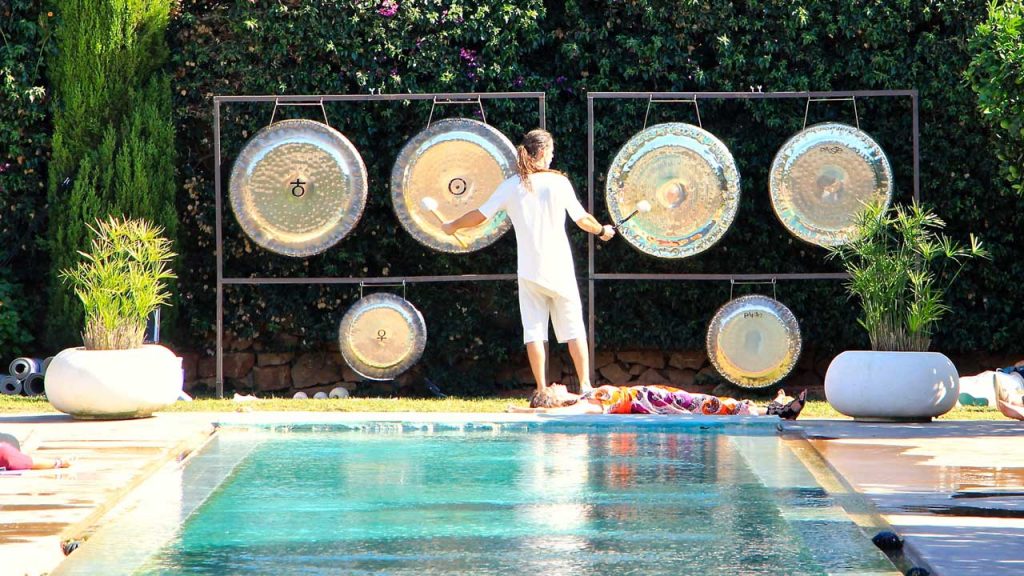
21	404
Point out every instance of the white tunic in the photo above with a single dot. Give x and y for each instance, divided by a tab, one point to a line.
538	217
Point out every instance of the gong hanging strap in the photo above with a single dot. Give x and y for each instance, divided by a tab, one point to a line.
733	283
651	100
444	101
856	117
277	102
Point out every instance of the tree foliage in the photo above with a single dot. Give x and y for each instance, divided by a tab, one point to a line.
113	139
996	74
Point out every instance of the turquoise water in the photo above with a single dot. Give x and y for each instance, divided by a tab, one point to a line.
414	502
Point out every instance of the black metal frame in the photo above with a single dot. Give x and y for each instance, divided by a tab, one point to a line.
313	100
653	97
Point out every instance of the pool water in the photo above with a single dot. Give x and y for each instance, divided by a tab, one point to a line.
504	500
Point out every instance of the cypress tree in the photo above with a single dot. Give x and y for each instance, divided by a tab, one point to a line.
113	142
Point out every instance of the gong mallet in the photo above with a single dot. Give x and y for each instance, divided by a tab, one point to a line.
430	205
641	206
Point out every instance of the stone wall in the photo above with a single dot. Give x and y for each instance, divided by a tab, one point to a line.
277	368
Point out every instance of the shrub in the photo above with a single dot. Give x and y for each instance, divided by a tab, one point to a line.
121	280
900	268
25	42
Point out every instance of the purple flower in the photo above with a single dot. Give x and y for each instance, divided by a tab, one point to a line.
469	56
518	81
388	8
560	79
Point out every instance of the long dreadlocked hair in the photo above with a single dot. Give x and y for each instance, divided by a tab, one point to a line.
529	152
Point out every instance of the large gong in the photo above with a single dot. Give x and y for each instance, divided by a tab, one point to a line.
753	341
690	180
454	165
823	177
381	336
298	187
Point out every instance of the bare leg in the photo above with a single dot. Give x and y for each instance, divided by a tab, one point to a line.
535	351
581	361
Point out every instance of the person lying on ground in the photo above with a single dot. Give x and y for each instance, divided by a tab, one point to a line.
654	399
12	458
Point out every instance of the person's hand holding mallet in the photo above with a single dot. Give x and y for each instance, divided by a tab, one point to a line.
641	206
430	205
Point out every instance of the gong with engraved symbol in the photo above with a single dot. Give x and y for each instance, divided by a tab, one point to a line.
298	187
455	164
753	341
822	178
382	335
689	178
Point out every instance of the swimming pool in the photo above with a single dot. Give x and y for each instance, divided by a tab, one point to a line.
437	498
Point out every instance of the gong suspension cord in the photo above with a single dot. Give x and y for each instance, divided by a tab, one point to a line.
651	100
733	283
478	101
277	102
856	117
378	284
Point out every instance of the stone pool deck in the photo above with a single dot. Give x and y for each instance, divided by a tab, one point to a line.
953	490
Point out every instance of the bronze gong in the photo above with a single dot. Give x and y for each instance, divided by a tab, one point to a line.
822	178
454	165
689	178
753	341
298	187
382	335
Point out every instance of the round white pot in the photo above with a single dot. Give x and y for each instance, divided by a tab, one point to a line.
892	386
113	384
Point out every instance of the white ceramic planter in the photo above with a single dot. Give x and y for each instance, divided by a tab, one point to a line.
113	384
892	386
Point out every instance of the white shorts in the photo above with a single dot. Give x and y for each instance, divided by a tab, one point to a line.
537	304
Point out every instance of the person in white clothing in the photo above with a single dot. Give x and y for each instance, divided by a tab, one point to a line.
536	201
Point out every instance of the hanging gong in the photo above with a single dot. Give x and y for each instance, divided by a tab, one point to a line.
690	180
382	335
822	178
753	341
455	164
298	187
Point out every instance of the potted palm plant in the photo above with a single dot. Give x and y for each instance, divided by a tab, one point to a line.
121	280
900	266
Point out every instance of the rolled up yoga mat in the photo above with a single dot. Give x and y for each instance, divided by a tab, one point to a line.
46	364
20	368
33	385
10	385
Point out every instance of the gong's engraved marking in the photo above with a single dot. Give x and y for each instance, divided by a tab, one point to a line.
457	186
298	187
382	335
831	149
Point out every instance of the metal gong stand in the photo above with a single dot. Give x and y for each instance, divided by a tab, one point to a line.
469	98
693	98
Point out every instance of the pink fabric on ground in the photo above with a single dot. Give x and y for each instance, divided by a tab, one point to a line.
13	459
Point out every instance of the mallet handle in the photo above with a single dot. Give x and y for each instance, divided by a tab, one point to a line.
441	220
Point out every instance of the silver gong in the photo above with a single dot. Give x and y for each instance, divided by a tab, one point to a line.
298	187
689	178
454	165
753	341
382	335
823	177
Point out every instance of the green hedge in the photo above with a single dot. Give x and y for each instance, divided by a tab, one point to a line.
567	49
997	76
25	30
113	142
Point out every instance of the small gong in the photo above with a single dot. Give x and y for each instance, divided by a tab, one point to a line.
381	336
753	341
298	187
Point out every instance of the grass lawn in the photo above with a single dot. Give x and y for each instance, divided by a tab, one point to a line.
21	404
